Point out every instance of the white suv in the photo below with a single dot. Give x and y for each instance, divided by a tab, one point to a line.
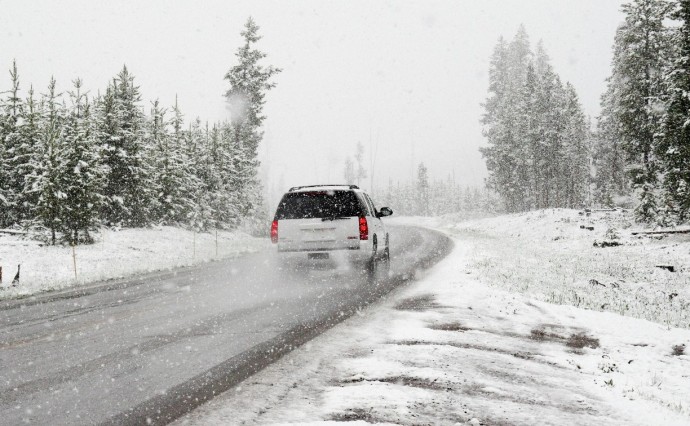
326	221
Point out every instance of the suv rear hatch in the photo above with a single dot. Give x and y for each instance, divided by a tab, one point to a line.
318	221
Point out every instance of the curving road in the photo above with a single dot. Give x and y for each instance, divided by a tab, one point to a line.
152	348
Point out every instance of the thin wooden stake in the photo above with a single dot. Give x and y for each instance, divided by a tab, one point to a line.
74	261
216	242
194	246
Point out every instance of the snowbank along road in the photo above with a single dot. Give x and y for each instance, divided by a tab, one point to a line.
148	350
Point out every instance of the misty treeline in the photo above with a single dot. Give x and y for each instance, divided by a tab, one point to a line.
643	135
423	196
427	197
538	136
73	162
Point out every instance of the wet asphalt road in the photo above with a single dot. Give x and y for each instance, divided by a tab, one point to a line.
152	348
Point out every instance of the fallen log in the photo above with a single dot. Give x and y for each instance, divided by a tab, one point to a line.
670	231
13	232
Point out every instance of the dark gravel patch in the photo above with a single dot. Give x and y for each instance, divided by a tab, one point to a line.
452	326
424	302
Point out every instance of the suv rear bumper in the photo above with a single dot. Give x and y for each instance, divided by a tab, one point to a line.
358	254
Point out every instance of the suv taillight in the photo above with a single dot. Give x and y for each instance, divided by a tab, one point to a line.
363	228
274	232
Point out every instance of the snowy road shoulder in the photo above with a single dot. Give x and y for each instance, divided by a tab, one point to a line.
116	254
450	349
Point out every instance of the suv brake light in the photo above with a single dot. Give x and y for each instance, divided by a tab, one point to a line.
274	232
363	228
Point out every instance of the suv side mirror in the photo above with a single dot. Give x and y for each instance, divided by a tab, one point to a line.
385	211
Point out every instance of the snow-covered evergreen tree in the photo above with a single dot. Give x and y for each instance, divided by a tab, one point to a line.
641	48
219	185
45	180
609	158
26	154
12	158
576	144
128	185
195	167
498	155
249	81
173	179
423	189
81	174
674	142
550	104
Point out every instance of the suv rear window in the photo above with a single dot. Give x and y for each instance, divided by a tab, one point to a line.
318	204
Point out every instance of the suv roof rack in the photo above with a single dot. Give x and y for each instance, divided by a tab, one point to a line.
295	188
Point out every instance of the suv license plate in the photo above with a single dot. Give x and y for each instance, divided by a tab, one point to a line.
318	256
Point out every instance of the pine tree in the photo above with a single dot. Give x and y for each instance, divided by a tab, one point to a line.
11	182
44	182
27	152
576	143
498	154
174	180
674	144
249	81
81	176
193	167
608	156
551	101
641	48
423	189
527	150
128	180
220	189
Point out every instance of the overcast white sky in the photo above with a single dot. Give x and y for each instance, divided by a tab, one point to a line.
408	75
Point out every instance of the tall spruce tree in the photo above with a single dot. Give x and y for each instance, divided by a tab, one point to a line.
222	187
674	142
45	180
173	178
499	152
249	81
576	138
128	180
609	158
551	102
11	182
194	167
641	48
27	152
423	189
81	177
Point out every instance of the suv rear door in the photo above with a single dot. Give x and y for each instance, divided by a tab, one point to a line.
318	220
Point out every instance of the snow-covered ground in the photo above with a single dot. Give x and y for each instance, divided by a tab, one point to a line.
476	340
117	254
552	256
